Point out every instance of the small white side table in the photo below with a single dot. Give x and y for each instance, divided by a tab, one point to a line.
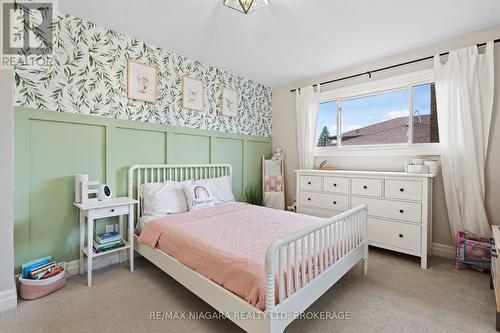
91	211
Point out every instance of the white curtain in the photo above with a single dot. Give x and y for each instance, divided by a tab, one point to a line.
307	112
464	95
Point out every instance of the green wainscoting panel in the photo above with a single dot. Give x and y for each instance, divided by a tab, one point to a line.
58	151
133	146
187	148
231	151
254	150
51	147
21	189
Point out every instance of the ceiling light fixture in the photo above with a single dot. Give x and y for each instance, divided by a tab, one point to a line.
246	6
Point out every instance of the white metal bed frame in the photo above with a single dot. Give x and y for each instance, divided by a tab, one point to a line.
331	249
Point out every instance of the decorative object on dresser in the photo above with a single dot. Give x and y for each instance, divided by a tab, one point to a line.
495	278
192	94
324	166
399	204
433	166
417	168
141	81
89	212
422	166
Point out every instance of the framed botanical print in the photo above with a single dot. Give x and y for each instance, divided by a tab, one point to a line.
192	94
229	103
141	81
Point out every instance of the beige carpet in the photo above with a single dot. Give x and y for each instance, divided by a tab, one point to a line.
396	296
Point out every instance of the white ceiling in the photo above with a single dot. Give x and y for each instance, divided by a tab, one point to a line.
289	40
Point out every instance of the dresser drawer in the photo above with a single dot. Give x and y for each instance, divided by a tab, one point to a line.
323	200
318	212
400	235
110	211
405	211
403	189
310	183
336	184
366	186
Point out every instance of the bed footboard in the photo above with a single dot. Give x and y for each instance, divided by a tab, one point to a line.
302	266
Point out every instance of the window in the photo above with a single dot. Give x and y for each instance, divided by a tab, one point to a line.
326	125
378	114
375	120
425	125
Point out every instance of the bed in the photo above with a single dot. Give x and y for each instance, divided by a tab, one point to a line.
259	267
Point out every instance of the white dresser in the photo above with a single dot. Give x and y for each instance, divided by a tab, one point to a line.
399	204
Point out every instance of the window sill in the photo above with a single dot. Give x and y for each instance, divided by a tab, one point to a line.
419	149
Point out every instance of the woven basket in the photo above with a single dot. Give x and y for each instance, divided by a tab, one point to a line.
33	289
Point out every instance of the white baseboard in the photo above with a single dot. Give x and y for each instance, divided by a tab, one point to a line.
8	299
442	250
73	267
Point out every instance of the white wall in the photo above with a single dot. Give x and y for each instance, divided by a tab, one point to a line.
284	127
8	297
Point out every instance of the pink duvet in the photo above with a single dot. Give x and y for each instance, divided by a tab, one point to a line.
226	243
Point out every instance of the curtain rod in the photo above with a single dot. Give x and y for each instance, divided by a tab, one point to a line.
369	73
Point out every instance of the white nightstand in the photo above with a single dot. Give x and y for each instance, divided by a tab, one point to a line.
98	210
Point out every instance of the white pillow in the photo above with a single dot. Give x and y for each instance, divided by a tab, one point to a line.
160	199
198	195
222	189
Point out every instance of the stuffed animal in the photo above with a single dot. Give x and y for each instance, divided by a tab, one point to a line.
279	154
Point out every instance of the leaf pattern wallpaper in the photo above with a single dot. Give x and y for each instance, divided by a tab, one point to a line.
89	77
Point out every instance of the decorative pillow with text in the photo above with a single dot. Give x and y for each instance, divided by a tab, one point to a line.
198	195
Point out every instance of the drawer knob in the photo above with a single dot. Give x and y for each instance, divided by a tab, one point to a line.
335	202
309	199
401	190
334	185
401	236
365	187
308	183
401	211
112	210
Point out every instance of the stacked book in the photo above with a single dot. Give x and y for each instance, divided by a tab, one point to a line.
108	241
42	268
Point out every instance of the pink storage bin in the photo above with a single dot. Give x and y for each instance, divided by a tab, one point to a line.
473	250
33	289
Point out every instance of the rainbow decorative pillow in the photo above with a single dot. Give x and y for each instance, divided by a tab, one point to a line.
198	195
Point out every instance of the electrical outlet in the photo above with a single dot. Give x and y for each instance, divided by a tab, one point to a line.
117	227
109	228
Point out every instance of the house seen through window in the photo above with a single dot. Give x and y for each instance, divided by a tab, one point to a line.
380	119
